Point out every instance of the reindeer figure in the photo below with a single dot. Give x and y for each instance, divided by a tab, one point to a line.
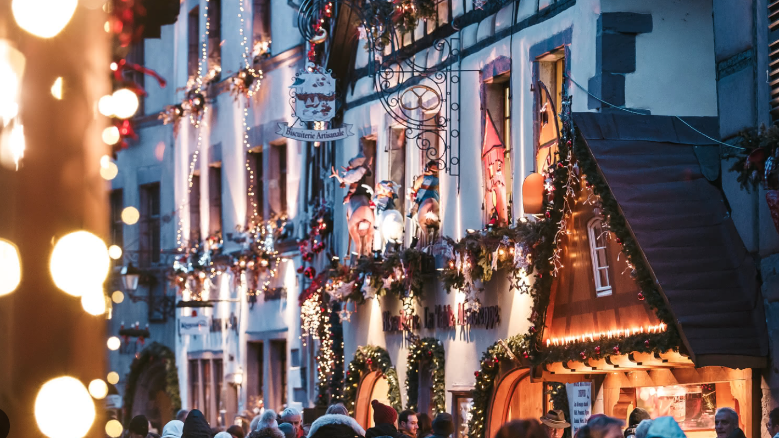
359	215
425	196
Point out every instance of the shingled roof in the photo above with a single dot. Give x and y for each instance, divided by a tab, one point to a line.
681	223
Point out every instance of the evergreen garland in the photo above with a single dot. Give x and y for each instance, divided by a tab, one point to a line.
149	355
367	359
426	350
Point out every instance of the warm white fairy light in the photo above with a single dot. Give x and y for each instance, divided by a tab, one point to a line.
609	334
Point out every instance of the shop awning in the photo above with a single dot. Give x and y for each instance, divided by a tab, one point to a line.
681	223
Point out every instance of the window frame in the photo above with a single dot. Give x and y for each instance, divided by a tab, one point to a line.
193	41
197	386
150	232
600	289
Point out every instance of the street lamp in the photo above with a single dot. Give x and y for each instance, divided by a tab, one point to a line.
130	277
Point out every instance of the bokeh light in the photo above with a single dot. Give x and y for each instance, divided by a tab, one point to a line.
10	267
110	135
98	389
113	377
79	264
114	428
130	215
114	343
43	18
93	301
115	252
64	409
125	103
117	296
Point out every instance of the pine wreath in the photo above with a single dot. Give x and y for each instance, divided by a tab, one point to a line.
149	355
367	359
426	350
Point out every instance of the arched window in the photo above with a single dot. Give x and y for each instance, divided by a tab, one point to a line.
600	262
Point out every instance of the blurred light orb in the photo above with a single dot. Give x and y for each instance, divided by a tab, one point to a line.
110	136
43	18
117	296
93	302
114	428
125	103
114	343
105	160
10	267
110	172
64	409
113	377
56	88
98	389
106	105
79	264
115	252
130	215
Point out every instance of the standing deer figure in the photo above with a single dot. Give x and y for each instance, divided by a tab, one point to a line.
425	196
359	215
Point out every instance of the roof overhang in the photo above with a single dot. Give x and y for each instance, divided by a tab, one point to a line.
684	230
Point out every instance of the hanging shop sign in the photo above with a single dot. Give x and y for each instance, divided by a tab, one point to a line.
194	325
444	317
579	404
314	101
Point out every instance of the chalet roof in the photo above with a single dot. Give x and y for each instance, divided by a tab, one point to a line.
681	223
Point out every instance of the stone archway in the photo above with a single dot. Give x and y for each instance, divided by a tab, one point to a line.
515	397
152	386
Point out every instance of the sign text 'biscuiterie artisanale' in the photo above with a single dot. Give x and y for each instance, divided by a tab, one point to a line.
442	316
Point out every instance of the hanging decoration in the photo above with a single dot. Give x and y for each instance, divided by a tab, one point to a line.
493	155
405	13
431	351
369	359
314	99
425	207
359	214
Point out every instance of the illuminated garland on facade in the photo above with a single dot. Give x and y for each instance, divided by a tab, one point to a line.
367	359
426	350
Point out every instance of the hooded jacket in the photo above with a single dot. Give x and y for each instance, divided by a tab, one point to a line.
196	426
335	426
173	429
667	427
266	432
383	429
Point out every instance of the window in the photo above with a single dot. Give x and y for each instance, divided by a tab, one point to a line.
117	225
193	42
278	183
215	198
773	54
548	97
205	387
150	224
256	198
397	164
497	160
279	370
261	25
600	263
137	56
369	150
214	34
194	210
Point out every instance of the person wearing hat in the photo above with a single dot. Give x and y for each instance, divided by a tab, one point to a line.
139	427
443	425
384	418
554	423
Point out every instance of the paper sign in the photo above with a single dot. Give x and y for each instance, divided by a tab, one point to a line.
193	325
579	404
302	134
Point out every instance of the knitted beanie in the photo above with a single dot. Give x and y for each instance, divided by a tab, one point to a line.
383	414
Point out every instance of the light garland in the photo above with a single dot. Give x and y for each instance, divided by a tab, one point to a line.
610	334
426	350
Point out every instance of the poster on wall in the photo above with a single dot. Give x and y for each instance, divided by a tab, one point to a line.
579	404
194	325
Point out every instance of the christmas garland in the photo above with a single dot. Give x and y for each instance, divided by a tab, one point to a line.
366	359
426	350
149	355
756	160
403	14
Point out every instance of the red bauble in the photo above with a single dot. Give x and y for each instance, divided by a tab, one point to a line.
615	349
477	374
583	355
548	215
525	355
640	296
300	270
309	272
597	349
646	342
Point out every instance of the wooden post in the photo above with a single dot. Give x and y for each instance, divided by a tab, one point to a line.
45	333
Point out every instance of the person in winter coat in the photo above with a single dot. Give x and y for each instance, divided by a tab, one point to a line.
196	426
139	427
426	426
337	408
521	429
665	427
173	429
636	417
384	417
443	425
267	432
336	426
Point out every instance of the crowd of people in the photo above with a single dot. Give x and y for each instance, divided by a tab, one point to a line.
336	423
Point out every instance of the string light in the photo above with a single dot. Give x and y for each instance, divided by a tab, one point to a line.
610	334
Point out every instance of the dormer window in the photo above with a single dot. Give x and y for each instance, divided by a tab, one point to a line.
600	264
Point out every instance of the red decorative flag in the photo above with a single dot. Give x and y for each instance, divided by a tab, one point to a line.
493	156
